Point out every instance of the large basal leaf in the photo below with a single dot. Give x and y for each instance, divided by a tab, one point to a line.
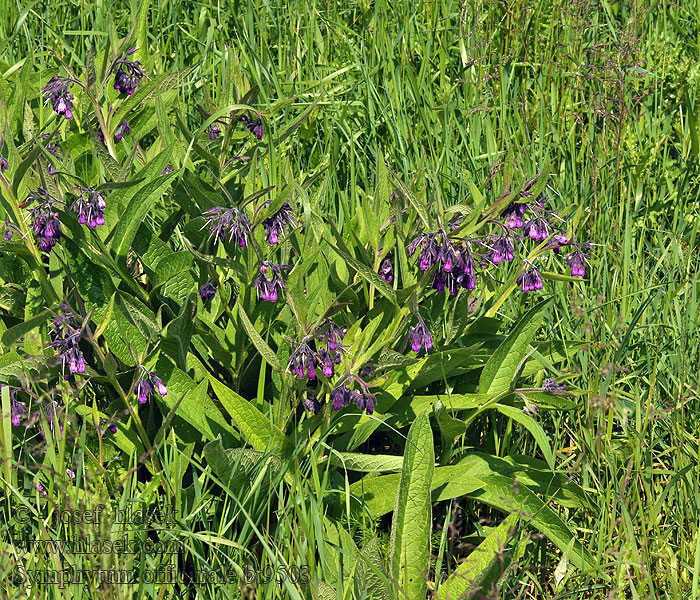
369	463
411	524
468	574
501	369
256	428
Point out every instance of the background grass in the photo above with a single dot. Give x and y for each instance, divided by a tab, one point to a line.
608	92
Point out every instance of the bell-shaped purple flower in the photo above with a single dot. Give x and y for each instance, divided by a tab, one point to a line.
107	425
419	336
46	226
513	215
502	249
327	360
386	270
269	282
122	130
303	361
89	207
17	408
213	131
311	403
147	383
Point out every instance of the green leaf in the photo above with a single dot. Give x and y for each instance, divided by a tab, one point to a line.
370	463
469	572
14	333
265	351
409	553
368	274
500	371
256	428
532	426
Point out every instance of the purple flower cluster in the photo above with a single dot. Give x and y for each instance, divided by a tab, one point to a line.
147	383
228	224
65	335
254	126
269	282
342	395
276	224
576	260
47	227
17	408
454	260
129	74
214	131
207	291
419	336
52	418
89	207
57	93
304	360
530	280
552	385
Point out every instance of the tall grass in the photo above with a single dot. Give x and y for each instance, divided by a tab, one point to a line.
608	93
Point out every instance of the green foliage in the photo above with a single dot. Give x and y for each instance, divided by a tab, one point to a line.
381	121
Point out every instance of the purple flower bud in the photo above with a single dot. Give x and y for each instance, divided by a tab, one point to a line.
166	170
552	385
122	130
327	360
4	165
160	386
311	402
207	291
17	408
